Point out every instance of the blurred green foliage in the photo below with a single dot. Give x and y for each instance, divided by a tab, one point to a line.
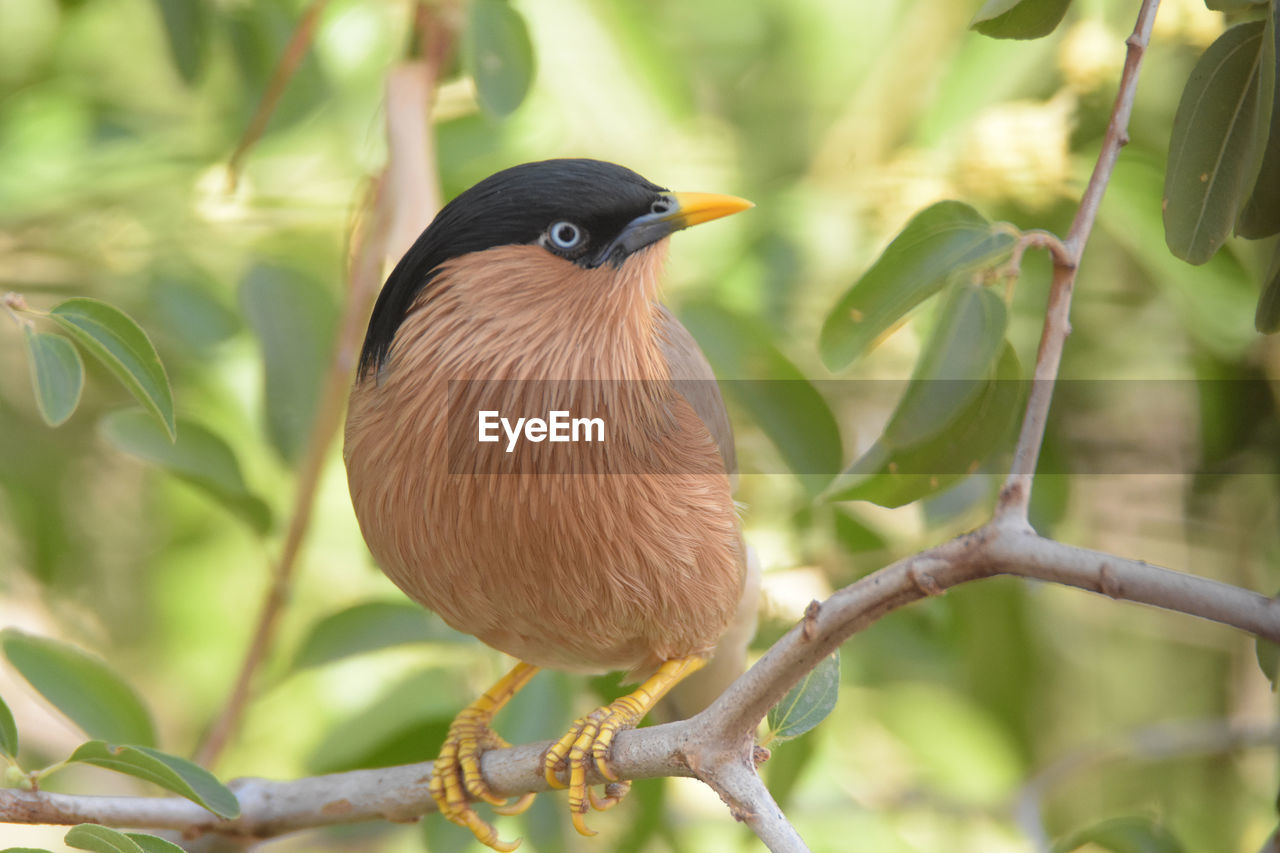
842	121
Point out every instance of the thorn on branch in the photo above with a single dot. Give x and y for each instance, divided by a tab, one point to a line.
809	628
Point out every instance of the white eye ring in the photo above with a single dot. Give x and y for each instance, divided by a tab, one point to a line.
565	235
662	205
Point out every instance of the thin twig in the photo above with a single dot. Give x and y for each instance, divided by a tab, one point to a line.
1015	496
292	57
366	268
406	192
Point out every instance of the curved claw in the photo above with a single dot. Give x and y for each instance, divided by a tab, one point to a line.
520	806
557	758
590	739
455	776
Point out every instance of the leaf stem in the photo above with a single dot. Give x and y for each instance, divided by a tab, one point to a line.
45	772
1015	495
17	306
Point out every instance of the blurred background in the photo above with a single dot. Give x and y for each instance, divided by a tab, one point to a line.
840	120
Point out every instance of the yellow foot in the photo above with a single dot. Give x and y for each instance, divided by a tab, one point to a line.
455	776
589	739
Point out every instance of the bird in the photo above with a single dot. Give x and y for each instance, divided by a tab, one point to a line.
539	286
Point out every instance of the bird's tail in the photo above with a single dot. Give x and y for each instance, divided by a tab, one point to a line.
727	663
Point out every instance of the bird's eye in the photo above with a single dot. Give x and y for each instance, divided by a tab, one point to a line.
565	235
662	205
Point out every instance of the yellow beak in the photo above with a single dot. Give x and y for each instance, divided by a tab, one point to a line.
687	209
696	208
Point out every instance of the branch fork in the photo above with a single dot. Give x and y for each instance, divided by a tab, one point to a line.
717	746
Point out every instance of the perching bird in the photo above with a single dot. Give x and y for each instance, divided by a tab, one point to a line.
620	555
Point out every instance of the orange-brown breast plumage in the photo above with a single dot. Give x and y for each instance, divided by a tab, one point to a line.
635	556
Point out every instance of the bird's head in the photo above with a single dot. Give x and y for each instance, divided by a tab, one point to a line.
586	213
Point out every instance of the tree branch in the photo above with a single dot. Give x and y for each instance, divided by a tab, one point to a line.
715	746
1015	496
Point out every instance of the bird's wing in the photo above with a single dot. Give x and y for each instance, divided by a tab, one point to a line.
697	383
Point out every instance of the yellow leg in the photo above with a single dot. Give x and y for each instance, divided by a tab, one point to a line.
456	775
589	739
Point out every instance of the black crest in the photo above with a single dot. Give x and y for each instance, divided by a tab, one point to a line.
514	206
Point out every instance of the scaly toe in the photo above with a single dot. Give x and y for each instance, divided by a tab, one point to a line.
587	744
600	750
456	774
557	757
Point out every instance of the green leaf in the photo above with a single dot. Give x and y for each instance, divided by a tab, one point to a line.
258	35
856	536
100	839
405	723
186	27
199	457
1019	19
1213	157
1260	216
786	405
120	344
153	844
8	732
1122	835
81	686
168	771
1268	655
500	56
1232	5
25	850
294	320
943	242
57	375
956	745
1213	301
1267	318
369	626
894	477
809	702
954	367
